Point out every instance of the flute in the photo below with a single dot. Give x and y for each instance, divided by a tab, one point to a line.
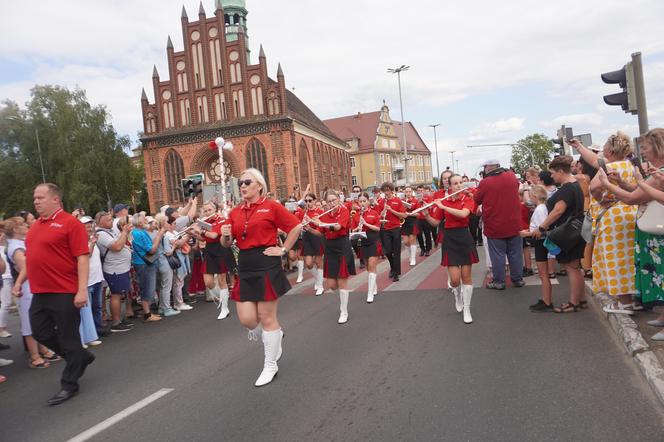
307	220
427	205
180	234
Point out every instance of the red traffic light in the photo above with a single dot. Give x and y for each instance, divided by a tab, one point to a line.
616	77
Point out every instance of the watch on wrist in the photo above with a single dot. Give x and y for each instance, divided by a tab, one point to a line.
284	251
542	229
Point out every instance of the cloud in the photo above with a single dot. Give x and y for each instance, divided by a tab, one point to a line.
583	121
496	130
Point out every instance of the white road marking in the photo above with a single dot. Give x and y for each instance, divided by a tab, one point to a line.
91	432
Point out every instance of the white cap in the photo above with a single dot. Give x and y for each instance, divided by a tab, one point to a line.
86	219
491	162
149	219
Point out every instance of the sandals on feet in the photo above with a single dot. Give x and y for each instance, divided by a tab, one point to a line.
43	364
568	307
51	357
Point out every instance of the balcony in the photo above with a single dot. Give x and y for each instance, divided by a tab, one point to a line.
397	166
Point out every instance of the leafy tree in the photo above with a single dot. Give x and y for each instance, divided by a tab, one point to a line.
534	149
81	152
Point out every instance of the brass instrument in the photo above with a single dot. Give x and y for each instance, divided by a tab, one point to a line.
357	232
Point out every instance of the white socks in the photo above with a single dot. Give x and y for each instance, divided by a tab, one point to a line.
467	293
272	347
300	271
223	304
319	286
458	298
371	289
343	306
413	253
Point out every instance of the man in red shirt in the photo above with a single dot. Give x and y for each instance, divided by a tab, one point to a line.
498	194
57	265
392	211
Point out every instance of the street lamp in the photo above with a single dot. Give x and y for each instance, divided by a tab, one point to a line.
398	71
41	162
435	141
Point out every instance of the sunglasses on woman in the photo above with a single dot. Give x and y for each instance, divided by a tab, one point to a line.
245	182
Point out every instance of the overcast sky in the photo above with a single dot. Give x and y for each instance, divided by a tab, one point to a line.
487	71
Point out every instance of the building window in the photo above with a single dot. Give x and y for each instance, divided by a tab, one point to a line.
353	180
174	169
382	159
352	161
257	158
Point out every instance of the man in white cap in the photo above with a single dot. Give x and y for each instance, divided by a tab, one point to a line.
498	194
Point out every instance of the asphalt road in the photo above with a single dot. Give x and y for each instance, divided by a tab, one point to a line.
403	368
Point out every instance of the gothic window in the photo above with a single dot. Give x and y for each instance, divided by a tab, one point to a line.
304	165
256	157
213	172
174	169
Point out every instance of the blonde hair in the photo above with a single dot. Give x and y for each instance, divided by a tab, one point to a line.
258	176
161	220
620	144
656	138
138	220
11	224
539	192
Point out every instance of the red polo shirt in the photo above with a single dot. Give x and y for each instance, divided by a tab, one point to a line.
255	225
51	248
451	221
340	216
393	221
370	217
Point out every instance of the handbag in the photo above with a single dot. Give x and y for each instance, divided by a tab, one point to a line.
587	232
173	260
651	220
568	234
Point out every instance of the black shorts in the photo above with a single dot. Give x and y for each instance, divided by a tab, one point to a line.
541	252
528	242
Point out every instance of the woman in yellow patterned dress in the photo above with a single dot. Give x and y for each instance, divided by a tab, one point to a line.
613	224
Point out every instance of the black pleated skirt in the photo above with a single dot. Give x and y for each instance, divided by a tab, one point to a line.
260	277
458	248
312	245
339	260
218	259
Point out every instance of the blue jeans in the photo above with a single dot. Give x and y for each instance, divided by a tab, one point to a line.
510	248
147	280
96	302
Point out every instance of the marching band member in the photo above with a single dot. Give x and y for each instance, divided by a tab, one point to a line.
392	212
312	243
253	224
216	257
426	230
458	251
295	254
409	229
339	261
368	220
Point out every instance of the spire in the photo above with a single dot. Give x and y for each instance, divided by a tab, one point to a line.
155	74
261	54
144	96
184	13
280	73
169	44
201	10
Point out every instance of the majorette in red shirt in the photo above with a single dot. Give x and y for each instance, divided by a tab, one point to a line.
255	225
414	204
51	250
425	200
393	221
452	222
311	213
216	223
339	216
370	217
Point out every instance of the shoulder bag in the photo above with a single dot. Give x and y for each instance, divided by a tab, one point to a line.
651	219
173	260
568	234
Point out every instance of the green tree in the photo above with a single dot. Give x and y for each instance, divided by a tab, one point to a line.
535	148
81	152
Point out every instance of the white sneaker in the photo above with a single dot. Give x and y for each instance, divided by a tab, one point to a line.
658	337
656	323
619	307
320	291
85	346
184	307
5	334
5	362
94	343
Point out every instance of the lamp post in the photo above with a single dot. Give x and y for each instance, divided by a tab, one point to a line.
41	161
435	142
398	71
452	153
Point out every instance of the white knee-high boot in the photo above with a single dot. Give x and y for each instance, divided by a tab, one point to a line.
458	297
223	304
467	291
300	271
343	306
255	334
272	346
319	282
371	289
413	254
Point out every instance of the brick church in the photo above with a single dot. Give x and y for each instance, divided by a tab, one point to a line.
213	90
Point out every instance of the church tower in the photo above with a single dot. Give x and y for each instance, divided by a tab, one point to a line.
235	17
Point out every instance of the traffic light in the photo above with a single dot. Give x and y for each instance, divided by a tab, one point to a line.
625	79
192	185
187	187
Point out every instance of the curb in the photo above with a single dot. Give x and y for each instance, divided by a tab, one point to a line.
637	347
